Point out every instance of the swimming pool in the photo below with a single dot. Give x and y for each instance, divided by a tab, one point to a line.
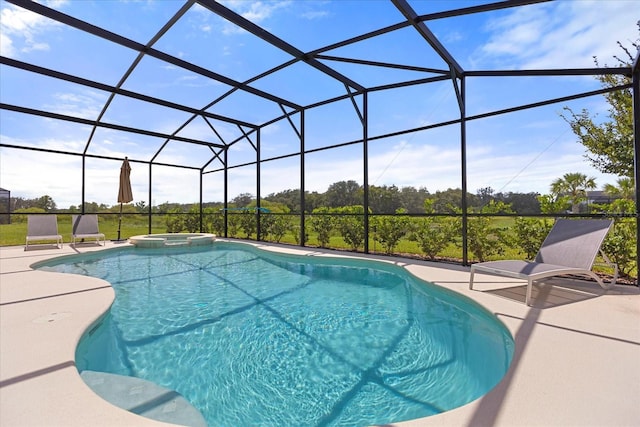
255	338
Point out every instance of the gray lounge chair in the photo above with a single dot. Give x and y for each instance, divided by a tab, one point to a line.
570	248
86	227
42	228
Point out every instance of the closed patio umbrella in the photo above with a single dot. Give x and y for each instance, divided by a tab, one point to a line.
124	193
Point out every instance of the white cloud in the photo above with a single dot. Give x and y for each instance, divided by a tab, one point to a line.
430	166
259	11
84	103
417	165
23	30
528	170
55	173
316	14
255	11
6	46
557	34
60	176
453	36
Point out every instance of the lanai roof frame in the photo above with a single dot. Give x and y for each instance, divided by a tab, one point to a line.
317	59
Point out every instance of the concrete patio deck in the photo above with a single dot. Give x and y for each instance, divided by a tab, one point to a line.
576	360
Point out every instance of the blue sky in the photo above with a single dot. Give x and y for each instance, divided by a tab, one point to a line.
519	152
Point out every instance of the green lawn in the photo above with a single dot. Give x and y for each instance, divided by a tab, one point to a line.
14	235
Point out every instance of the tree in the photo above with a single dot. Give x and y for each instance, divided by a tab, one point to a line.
450	200
167	207
623	193
274	226
141	206
384	199
433	233
529	233
485	195
350	224
46	202
620	245
191	221
610	144
413	199
248	222
242	200
521	203
485	238
233	224
174	221
553	204
574	185
322	224
93	207
624	190
343	193
389	229
313	200
290	198
213	221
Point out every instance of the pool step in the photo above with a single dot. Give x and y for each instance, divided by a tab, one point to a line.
144	398
176	243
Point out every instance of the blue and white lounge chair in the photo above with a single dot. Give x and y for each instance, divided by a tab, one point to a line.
41	228
86	227
570	248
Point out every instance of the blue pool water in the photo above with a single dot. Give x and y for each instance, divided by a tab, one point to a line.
254	338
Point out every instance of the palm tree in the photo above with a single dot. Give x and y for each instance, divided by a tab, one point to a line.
574	185
624	190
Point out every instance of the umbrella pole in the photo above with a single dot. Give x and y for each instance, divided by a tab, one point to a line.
119	221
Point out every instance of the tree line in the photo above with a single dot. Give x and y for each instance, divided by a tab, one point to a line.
570	192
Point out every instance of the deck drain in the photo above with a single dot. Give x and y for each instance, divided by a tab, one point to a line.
52	317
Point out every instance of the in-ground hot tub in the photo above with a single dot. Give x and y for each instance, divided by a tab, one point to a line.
172	239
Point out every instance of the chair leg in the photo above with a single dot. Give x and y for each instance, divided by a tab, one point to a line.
527	300
607	262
